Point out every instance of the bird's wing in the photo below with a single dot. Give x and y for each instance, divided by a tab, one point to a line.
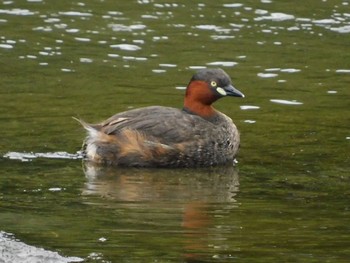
163	124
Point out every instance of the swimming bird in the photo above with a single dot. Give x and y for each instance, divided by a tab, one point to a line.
195	136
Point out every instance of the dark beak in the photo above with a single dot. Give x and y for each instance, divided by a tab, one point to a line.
232	91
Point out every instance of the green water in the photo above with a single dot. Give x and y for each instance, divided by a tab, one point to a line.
288	198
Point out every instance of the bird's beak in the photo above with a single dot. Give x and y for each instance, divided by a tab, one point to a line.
232	91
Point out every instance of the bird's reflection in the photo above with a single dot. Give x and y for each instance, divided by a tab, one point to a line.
192	191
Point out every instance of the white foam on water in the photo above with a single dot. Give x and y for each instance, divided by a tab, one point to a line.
342	29
127	47
342	71
158	70
86	60
275	17
25	157
290	70
6	46
74	13
249	107
113	55
168	65
325	21
223	63
12	251
250	121
181	87
286	102
267	75
17	11
235	5
82	39
121	27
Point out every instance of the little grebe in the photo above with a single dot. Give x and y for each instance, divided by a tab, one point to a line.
156	136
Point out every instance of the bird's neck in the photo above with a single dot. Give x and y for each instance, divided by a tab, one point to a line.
199	99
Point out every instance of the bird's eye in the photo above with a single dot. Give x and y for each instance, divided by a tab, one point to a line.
213	83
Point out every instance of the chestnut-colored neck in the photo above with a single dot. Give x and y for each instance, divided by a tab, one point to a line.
199	99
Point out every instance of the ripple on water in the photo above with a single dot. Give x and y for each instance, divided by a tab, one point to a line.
6	46
275	17
121	27
127	47
341	29
17	11
342	71
223	63
267	75
74	13
249	107
286	102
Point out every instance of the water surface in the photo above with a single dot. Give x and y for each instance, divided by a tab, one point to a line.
288	197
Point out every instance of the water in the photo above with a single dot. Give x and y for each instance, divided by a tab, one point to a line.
286	200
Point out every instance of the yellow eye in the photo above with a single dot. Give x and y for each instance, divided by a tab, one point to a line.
213	83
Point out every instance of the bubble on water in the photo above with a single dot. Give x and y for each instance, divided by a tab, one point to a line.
127	47
286	102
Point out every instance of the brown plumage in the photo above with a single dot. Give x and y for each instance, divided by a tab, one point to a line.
156	136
